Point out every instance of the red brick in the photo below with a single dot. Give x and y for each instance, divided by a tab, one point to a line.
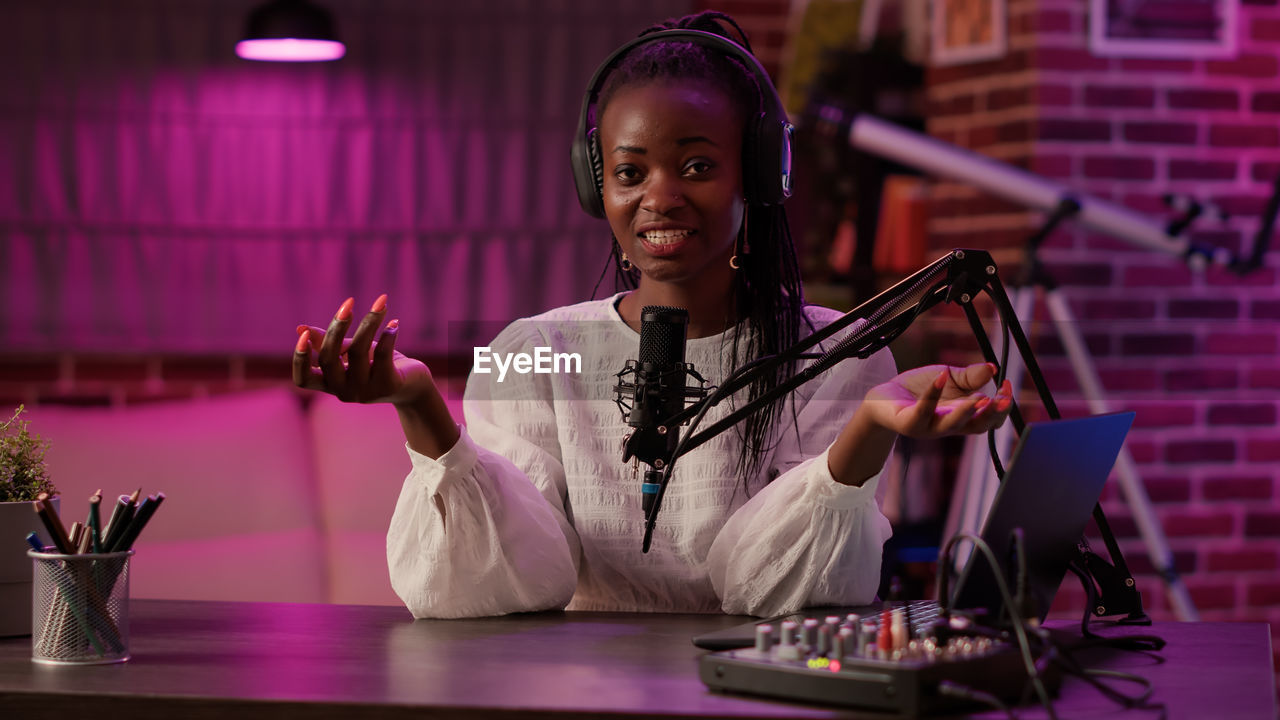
1240	204
1262	523
1083	274
1264	28
1265	310
1266	449
1202	170
110	369
1162	133
1119	96
1120	167
1204	309
1200	451
1217	276
268	368
1167	490
1004	98
1059	58
1119	309
1097	345
1054	166
1264	379
1242	414
1054	95
1198	524
169	392
1054	21
1253	66
1213	596
1068	129
75	399
195	368
1264	592
1162	414
1244	136
1227	487
1128	379
1241	560
29	370
956	105
1201	379
1143	344
1140	563
1178	276
1241	344
1150	65
1265	171
1266	102
1203	99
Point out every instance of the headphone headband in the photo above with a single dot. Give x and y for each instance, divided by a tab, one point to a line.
766	157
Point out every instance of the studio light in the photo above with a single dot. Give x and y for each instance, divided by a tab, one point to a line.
290	31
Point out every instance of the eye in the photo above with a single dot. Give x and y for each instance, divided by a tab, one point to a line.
626	174
698	166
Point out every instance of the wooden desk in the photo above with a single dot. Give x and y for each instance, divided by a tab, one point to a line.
257	660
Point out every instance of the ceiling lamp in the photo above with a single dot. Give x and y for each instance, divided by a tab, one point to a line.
290	31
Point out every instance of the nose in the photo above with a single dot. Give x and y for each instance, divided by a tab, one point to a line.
662	194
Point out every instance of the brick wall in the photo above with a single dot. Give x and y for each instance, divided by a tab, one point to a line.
1195	354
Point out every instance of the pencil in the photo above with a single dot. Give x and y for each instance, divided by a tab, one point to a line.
52	523
95	521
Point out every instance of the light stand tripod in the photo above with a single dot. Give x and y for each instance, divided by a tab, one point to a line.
980	482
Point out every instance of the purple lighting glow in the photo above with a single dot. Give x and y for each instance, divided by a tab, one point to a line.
290	50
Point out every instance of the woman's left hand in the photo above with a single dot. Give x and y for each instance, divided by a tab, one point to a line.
937	400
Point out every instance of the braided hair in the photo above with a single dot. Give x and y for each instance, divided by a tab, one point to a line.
767	288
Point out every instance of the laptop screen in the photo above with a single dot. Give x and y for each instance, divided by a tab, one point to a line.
1054	479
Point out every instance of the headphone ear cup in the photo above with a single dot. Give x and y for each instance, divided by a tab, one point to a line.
588	172
767	161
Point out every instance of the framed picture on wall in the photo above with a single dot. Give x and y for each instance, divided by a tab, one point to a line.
1163	28
966	31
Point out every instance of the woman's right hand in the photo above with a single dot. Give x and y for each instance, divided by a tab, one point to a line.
359	369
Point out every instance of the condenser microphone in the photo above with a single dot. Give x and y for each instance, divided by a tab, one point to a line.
652	390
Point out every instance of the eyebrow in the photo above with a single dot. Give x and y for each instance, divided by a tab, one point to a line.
680	142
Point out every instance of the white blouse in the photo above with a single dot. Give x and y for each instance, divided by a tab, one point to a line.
541	513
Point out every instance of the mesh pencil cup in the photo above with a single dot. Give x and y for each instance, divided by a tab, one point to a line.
80	608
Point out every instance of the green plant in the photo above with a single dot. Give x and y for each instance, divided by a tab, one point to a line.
23	474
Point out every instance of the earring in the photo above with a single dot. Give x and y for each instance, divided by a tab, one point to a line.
626	263
733	262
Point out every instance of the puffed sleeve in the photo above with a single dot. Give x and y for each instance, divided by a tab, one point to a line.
804	539
504	543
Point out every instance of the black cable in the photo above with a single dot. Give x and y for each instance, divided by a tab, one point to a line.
964	692
1015	616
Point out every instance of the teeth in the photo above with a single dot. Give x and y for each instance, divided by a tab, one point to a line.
662	237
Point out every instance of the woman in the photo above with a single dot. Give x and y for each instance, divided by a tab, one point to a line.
530	507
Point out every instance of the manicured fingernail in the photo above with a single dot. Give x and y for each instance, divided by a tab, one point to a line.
344	312
301	328
393	325
380	304
940	381
982	403
1003	403
304	341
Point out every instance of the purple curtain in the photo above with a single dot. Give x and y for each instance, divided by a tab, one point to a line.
159	194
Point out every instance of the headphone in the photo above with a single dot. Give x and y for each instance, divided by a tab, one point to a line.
766	147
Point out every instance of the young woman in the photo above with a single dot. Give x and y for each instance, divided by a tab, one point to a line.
530	506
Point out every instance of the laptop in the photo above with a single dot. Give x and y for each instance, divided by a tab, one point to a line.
1054	478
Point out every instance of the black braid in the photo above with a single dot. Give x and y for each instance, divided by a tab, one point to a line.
769	294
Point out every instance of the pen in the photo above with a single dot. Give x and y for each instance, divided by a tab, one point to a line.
33	539
95	521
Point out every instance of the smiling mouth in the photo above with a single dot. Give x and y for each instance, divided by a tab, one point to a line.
660	238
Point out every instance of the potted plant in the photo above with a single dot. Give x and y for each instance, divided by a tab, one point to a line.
23	476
